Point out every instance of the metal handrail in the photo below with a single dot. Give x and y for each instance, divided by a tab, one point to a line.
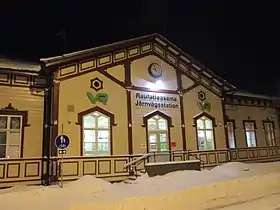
136	161
139	160
189	154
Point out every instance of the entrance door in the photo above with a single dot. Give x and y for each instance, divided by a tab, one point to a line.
158	138
158	142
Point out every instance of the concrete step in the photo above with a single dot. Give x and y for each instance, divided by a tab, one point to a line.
127	181
142	171
132	178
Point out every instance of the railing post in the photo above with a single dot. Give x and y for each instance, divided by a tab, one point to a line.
229	155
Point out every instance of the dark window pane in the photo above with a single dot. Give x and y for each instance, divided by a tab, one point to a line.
3	122
2	151
15	123
3	137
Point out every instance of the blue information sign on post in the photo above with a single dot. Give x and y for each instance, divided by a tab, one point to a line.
62	141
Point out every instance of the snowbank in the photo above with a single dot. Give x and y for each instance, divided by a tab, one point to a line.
214	196
232	184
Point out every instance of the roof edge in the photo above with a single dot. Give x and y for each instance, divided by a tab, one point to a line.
75	54
115	46
254	95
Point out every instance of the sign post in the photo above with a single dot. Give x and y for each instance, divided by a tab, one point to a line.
62	142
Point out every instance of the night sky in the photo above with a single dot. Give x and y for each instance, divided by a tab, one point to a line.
237	40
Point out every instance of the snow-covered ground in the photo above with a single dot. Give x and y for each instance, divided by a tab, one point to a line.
227	187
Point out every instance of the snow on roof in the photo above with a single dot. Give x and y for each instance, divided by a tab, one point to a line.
253	95
94	49
19	65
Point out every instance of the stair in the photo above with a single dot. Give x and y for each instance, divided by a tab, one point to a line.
132	179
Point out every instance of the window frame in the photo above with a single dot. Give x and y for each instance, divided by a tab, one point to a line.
227	130
273	131
197	117
157	132
245	131
10	111
169	125
111	121
8	131
96	131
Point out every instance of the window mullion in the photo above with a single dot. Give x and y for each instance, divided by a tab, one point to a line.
8	135
7	142
96	122
157	126
204	130
96	141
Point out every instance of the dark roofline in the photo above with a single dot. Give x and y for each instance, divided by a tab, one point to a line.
96	50
7	64
56	61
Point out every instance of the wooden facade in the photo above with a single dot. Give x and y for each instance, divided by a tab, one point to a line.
133	109
21	116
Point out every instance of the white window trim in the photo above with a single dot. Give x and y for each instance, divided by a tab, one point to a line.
232	131
272	142
8	130
250	131
96	129
204	131
157	131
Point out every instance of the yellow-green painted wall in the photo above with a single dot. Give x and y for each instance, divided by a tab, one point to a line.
240	113
191	110
22	99
73	92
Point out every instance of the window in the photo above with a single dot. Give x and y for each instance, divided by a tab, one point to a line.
231	134
10	136
269	133
96	134
250	133
205	133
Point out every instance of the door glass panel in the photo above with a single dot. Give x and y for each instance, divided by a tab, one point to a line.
152	142
89	121
3	122
15	122
164	147
103	122
89	136
152	138
162	137
152	124
153	147
162	124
